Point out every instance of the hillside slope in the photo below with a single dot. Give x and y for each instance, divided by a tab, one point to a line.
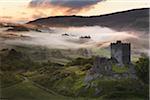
131	20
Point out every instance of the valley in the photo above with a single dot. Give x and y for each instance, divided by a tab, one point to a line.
50	59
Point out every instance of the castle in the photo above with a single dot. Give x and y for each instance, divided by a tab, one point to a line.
120	57
121	52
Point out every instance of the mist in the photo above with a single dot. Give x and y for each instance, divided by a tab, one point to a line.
70	38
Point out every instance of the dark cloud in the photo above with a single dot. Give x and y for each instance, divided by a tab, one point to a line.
65	7
73	4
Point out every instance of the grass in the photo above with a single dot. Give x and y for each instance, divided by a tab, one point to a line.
75	69
101	52
135	58
70	82
118	69
124	89
28	91
123	96
9	78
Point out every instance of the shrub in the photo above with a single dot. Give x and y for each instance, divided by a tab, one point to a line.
86	67
142	69
80	61
119	69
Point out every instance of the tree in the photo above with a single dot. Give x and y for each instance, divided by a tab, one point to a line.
142	69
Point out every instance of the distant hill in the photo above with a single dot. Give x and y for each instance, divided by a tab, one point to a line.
131	20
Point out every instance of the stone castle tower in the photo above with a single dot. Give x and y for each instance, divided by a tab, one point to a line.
121	52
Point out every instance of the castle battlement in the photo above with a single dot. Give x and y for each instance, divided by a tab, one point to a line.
119	42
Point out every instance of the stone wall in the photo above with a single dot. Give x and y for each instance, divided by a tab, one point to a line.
121	52
102	65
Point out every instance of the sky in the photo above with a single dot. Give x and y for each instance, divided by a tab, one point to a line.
26	10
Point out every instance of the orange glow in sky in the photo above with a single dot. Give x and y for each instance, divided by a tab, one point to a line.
19	10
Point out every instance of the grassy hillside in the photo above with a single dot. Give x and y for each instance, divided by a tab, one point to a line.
28	91
26	78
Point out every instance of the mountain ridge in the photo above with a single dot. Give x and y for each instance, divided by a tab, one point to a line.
134	20
92	15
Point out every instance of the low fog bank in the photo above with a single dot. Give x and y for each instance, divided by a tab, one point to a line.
76	37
